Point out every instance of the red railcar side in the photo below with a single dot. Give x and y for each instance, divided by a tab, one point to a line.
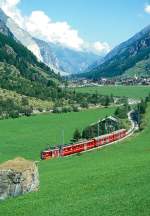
46	155
105	139
90	144
83	146
72	149
78	148
68	150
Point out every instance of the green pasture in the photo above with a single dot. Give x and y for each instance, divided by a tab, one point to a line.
27	136
112	181
136	92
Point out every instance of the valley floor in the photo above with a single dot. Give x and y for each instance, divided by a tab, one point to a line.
136	92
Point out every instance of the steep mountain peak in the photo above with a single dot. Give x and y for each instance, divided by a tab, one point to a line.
21	35
3	16
123	46
3	28
65	59
130	57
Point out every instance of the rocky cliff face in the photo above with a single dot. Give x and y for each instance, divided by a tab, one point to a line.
16	32
65	59
4	30
18	177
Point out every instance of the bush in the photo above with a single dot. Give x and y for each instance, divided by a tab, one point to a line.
14	114
40	109
57	110
75	109
67	109
84	104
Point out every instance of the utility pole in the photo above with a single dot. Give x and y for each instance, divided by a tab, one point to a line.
105	126
139	116
63	137
98	128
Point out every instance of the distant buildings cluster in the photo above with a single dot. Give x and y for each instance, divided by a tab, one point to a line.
110	81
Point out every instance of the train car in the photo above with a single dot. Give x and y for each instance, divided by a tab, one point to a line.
77	148
119	134
83	146
72	149
102	140
90	144
108	138
67	150
111	138
55	152
46	154
123	133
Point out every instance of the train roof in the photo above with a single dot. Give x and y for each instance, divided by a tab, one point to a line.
79	143
84	141
46	151
105	135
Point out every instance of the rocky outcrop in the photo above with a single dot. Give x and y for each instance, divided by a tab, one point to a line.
18	177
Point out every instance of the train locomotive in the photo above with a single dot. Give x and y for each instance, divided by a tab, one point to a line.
82	146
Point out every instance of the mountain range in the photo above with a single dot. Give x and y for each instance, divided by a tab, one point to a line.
130	58
59	58
66	60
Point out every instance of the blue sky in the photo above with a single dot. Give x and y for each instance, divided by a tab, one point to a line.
105	20
110	21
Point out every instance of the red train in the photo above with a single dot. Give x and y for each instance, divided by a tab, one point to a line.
83	146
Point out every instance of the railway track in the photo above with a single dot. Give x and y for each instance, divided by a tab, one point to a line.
130	132
90	145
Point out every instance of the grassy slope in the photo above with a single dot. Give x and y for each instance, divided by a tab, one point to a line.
139	69
34	102
28	136
113	181
128	91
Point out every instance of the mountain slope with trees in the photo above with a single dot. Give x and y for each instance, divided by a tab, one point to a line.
22	72
132	55
61	59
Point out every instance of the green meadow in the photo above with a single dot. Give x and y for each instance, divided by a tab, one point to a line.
27	136
136	92
112	181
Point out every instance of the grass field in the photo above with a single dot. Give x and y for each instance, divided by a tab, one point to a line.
113	181
128	91
28	136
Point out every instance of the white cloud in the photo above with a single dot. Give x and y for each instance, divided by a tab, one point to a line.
11	9
147	9
39	25
101	47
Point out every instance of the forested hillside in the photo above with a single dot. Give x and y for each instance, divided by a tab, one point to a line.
22	72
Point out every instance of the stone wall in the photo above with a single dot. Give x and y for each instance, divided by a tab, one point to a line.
18	177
